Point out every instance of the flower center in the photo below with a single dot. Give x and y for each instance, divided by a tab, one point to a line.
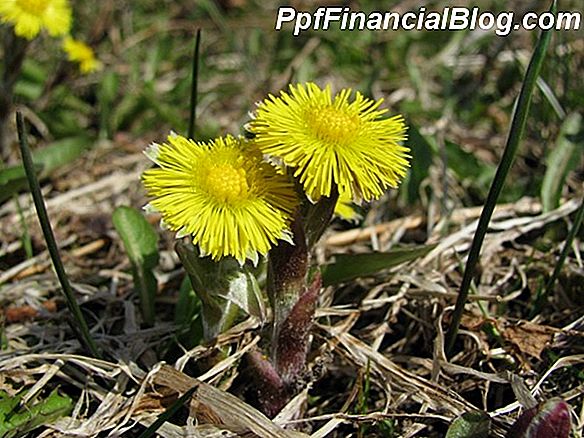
227	183
333	125
33	7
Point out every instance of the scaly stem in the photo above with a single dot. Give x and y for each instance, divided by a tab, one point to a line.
287	268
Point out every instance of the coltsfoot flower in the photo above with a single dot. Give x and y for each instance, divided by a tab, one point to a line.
221	193
30	16
78	51
333	141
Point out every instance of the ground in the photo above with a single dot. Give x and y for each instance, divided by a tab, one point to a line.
377	364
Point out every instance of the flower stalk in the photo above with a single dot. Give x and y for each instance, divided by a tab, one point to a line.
287	269
273	195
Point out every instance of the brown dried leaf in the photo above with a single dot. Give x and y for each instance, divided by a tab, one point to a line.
222	406
529	338
26	312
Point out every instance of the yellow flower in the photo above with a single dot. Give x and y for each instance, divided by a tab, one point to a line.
345	208
333	141
221	193
78	51
30	16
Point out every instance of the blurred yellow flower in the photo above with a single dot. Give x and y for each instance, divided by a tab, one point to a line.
222	193
78	51
333	141
30	16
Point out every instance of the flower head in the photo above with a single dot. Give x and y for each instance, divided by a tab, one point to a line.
333	140
221	193
30	16
78	51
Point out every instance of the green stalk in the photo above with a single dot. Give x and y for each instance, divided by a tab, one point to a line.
25	238
542	298
194	86
80	326
515	133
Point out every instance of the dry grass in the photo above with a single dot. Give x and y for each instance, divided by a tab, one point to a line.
387	330
377	365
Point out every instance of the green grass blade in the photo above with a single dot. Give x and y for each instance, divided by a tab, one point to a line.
513	140
168	413
194	87
80	327
542	298
562	159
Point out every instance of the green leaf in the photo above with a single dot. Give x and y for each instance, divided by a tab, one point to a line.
46	160
140	241
561	160
12	180
244	291
61	152
468	167
126	112
318	216
16	420
470	425
187	315
108	88
421	152
223	287
349	266
13	173
188	304
31	81
30	91
34	71
547	419
542	297
164	112
106	95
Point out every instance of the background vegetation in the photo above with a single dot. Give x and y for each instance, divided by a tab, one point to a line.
377	367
